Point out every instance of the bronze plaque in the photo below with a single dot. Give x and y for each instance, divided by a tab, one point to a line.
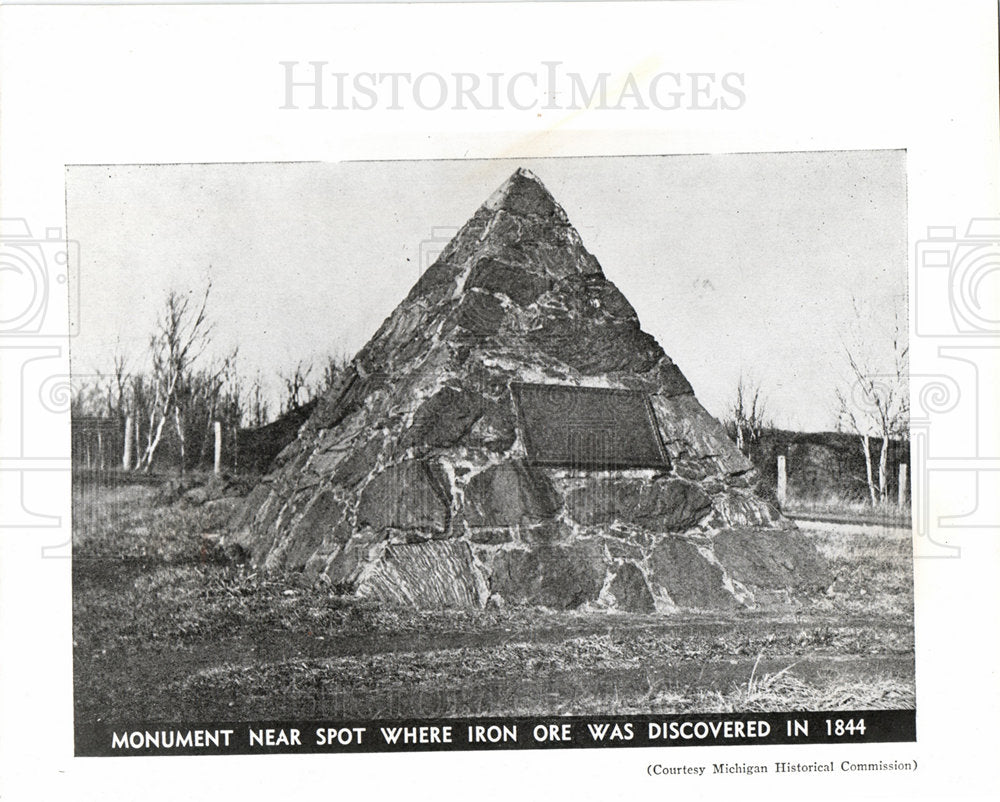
588	427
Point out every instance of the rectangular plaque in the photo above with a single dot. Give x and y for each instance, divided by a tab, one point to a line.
588	427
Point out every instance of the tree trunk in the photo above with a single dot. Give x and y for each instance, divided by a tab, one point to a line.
868	469
883	478
154	442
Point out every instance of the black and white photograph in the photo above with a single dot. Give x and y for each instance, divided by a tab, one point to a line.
499	400
502	442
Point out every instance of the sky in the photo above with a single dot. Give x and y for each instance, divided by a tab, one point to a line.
738	264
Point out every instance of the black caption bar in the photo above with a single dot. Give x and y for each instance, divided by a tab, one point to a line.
286	737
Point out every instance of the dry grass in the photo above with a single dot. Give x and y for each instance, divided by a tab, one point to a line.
784	691
873	567
858	510
166	629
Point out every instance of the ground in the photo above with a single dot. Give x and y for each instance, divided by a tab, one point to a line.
167	629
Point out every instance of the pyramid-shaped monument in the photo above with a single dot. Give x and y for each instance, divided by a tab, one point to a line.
510	435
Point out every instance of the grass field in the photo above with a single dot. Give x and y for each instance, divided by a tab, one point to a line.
836	508
166	629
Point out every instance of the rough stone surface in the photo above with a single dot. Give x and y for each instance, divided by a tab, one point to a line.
445	419
490	537
631	591
507	494
623	549
496	276
494	430
410	481
357	463
479	314
404	496
517	576
319	521
249	507
743	510
546	532
437	574
344	568
772	559
688	578
561	577
668	506
215	488
694	437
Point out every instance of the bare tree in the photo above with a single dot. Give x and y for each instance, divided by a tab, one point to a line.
333	369
297	389
120	383
212	393
183	332
141	399
88	398
876	402
174	401
747	416
256	412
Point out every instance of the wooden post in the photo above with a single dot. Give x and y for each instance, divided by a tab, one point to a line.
782	480
127	453
218	446
902	485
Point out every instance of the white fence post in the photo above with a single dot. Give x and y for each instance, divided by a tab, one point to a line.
782	480
902	485
218	446
127	454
